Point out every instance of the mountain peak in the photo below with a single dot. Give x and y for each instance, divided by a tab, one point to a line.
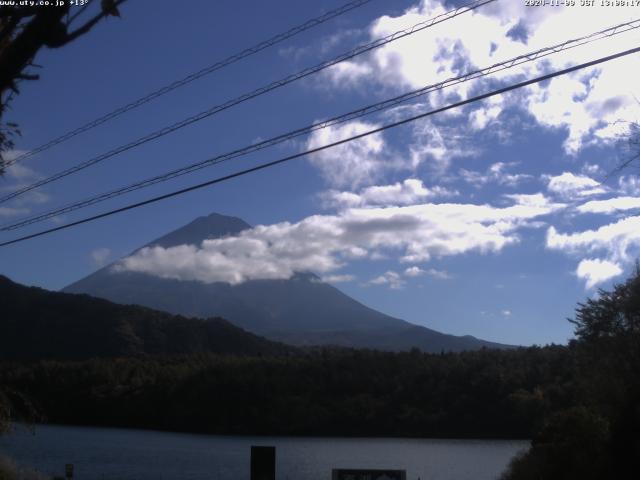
215	216
214	225
299	310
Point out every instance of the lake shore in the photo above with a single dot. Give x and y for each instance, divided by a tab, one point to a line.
130	454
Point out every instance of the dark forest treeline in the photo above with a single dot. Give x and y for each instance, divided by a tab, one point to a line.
580	404
489	393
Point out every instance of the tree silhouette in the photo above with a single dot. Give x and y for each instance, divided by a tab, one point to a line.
24	30
595	437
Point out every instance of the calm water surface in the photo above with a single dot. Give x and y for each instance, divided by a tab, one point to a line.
102	453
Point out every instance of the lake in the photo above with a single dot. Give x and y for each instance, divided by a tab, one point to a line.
106	453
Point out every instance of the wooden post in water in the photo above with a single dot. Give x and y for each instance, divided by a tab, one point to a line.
263	463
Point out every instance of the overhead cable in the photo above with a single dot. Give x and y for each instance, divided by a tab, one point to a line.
349	116
326	146
194	76
245	97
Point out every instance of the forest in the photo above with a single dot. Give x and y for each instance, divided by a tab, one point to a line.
38	324
579	403
325	392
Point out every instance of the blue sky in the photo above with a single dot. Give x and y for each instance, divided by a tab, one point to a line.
491	220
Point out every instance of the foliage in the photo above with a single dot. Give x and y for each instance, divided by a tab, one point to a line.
572	444
24	30
5	412
15	406
207	375
580	404
38	324
488	393
10	471
597	438
614	314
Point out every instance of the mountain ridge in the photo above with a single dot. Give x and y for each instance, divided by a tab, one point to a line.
39	324
301	310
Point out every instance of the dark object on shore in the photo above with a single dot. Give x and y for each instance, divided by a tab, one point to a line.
263	463
350	474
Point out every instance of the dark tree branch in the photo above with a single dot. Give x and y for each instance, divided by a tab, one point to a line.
108	9
80	11
23	32
16	56
7	29
20	12
46	28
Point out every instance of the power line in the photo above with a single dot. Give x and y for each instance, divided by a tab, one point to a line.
248	96
327	146
386	104
194	76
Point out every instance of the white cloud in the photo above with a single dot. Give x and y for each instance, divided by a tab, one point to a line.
534	200
363	161
352	164
338	278
100	256
414	272
12	212
18	171
617	239
496	173
596	271
335	39
407	192
390	278
611	205
555	106
438	145
325	243
617	243
506	313
584	104
349	73
481	117
435	53
431	272
570	186
441	274
18	176
320	48
629	185
591	169
21	172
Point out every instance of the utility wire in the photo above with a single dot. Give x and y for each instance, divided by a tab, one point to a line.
327	146
194	76
248	96
377	107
